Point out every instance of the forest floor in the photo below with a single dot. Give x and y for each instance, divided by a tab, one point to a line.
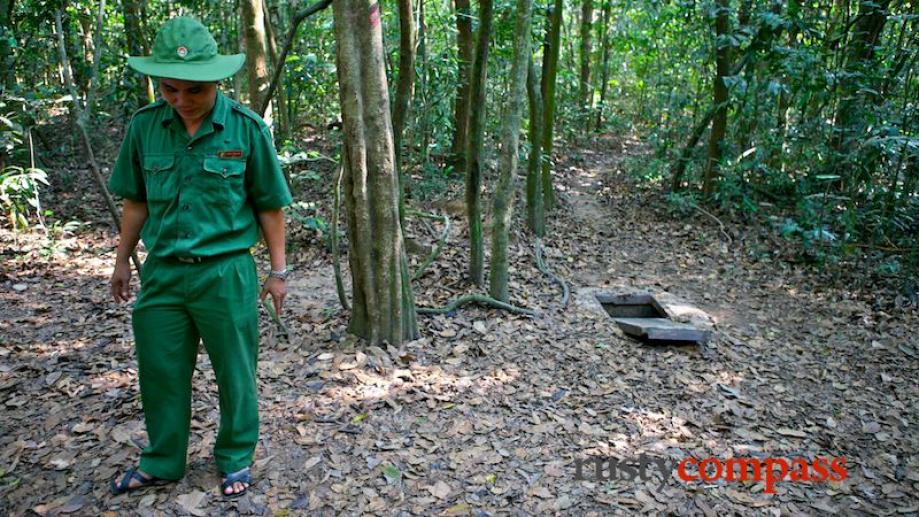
487	413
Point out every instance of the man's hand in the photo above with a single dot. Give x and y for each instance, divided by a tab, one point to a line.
121	282
277	288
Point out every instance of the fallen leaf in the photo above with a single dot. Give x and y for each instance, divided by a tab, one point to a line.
440	490
191	501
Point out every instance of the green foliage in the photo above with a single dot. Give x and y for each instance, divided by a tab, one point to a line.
19	194
307	214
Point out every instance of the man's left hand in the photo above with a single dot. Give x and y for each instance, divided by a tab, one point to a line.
277	288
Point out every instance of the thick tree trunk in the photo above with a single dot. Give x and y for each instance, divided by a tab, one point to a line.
383	308
253	20
604	59
535	204
406	82
510	133
584	89
549	73
476	140
720	120
465	50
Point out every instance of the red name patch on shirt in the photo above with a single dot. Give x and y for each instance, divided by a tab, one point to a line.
230	154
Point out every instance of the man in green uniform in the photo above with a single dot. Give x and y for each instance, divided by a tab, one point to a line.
199	177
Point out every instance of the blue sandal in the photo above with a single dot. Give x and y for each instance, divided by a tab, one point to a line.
124	486
240	476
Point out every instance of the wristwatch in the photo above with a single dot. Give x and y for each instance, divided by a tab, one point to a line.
282	274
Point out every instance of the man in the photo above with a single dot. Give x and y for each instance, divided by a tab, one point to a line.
199	177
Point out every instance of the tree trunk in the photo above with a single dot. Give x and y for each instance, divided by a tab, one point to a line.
406	81
604	58
94	71
253	20
584	90
510	133
535	204
135	46
872	16
465	48
549	72
383	308
476	140
720	120
283	126
423	89
7	73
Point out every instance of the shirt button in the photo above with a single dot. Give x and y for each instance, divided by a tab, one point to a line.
189	148
185	206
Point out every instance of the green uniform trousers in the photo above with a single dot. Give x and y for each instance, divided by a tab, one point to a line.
179	304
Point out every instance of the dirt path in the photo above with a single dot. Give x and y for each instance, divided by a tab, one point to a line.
489	413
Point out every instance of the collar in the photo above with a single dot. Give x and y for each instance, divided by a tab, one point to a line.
217	116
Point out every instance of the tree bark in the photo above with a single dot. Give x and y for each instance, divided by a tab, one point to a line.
720	120
549	73
536	218
476	141
253	20
383	308
510	134
465	50
406	82
584	89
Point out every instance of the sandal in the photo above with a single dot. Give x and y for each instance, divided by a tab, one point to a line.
124	486
240	476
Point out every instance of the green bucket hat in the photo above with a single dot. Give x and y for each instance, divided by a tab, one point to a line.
184	49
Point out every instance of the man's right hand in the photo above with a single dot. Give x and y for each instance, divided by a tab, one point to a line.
121	282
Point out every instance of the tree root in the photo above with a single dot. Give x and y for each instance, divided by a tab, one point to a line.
540	263
476	298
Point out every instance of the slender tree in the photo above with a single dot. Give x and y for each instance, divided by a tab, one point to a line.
604	58
535	200
275	64
584	89
405	84
549	73
383	309
465	50
475	145
510	133
720	120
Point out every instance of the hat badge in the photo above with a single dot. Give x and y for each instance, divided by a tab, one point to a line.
182	52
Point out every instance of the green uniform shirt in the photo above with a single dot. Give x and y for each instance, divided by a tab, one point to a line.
202	192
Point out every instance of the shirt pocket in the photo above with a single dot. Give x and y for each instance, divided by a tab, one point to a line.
224	180
160	177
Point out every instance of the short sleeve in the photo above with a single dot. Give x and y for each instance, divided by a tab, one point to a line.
266	183
127	178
